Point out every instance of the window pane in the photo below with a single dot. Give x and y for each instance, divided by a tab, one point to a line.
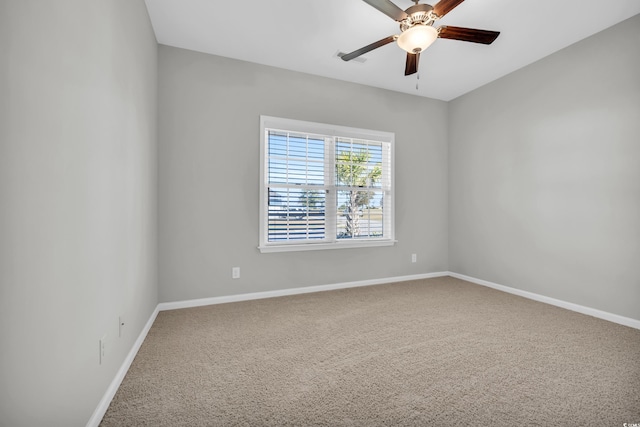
360	214
297	147
375	151
358	163
296	214
315	173
277	171
316	149
277	144
295	159
297	172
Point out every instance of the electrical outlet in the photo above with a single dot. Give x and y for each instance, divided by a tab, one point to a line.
235	273
120	325
414	257
103	345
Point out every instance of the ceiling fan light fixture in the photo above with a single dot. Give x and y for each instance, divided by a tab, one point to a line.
417	38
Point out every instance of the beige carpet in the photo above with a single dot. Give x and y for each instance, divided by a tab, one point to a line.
430	352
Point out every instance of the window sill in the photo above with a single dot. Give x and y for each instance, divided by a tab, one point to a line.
324	246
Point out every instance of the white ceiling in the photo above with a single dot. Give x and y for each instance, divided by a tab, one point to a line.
305	35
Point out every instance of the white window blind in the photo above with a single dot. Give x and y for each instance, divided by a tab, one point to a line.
324	186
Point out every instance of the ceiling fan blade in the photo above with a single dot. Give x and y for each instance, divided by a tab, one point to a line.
368	48
388	8
468	34
445	6
412	64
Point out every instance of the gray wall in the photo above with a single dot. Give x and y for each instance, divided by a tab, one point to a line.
209	110
78	96
544	175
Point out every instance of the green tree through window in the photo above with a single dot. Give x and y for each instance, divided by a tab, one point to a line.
353	170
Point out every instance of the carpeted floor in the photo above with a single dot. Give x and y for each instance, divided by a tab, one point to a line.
435	352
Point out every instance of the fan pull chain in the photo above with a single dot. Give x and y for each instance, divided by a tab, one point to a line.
417	80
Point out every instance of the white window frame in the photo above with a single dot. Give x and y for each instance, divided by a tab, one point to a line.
330	241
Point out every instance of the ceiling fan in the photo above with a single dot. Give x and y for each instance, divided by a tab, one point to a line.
417	31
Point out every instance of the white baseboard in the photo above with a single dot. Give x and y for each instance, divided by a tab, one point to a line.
96	418
293	291
626	321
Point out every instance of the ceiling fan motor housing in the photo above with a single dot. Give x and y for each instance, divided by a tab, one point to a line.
419	14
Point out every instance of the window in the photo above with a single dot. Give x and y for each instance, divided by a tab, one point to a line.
324	186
